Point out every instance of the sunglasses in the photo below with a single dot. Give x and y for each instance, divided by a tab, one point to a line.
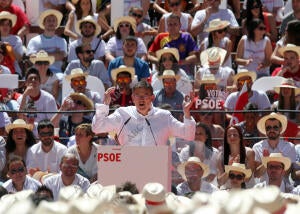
275	167
137	15
276	128
124	25
243	81
261	28
46	134
123	80
78	102
255	6
42	63
164	59
18	170
221	30
175	4
79	82
237	177
89	51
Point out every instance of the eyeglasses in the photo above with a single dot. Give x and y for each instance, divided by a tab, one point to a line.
274	167
123	80
221	30
18	170
276	128
261	28
42	63
78	82
124	25
175	4
46	134
234	176
164	59
255	6
137	15
243	81
89	51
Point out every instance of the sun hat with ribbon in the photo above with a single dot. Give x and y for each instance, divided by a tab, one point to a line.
49	12
261	124
18	123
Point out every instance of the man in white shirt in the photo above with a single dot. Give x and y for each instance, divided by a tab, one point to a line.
47	153
68	176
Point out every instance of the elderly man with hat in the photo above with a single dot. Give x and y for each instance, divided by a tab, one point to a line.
54	45
212	63
87	62
192	171
277	165
272	125
89	30
291	63
169	94
121	92
77	79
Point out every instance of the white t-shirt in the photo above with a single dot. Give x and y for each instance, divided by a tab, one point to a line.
29	184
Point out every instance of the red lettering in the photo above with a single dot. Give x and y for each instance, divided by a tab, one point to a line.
109	157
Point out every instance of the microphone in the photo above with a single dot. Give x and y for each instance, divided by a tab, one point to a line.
117	136
148	123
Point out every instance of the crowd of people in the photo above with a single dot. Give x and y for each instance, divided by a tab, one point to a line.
218	84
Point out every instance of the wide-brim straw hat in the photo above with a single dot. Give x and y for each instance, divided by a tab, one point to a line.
18	123
213	57
172	51
122	68
49	12
208	79
84	99
238	167
196	160
289	47
287	83
169	74
89	19
9	16
41	56
128	19
76	72
216	24
244	73
261	124
277	157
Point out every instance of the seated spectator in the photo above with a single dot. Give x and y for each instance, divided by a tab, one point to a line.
168	59
104	14
49	80
78	83
41	100
46	154
68	166
48	41
87	62
14	47
237	175
3	54
43	193
193	171
121	93
18	179
86	151
124	26
67	123
88	29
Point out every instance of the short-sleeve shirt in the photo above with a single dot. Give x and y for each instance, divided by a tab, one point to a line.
29	184
183	188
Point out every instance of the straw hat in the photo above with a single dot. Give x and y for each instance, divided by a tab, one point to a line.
244	73
41	56
49	12
239	168
262	122
69	193
289	47
277	157
287	83
18	123
154	194
208	79
75	1
76	72
172	51
212	57
128	19
89	19
216	24
196	160
9	16
122	68
169	74
83	98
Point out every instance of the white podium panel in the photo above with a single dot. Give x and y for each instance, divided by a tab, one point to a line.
138	164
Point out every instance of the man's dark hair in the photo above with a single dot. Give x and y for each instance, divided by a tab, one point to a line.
143	84
46	123
130	38
128	186
32	70
38	196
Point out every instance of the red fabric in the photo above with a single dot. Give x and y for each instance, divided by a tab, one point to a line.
240	104
266	21
294	76
291	130
22	19
159	42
